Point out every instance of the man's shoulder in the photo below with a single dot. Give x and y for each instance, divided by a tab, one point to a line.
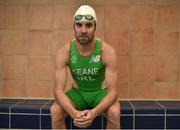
63	53
109	56
64	49
108	53
107	48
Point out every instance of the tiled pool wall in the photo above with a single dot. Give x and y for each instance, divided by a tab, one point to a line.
135	114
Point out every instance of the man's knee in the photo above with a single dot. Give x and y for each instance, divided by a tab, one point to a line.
113	114
53	109
57	113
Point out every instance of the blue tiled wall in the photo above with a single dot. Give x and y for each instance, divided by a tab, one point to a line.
35	114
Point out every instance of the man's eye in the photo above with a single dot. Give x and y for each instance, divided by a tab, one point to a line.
78	24
89	25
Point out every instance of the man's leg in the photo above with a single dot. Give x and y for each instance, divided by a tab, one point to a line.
112	115
57	116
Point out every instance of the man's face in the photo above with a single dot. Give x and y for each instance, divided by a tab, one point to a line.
84	32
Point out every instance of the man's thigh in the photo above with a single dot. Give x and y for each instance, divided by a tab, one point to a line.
99	97
77	99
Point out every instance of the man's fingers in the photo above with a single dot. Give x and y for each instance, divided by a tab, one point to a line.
82	124
84	113
83	119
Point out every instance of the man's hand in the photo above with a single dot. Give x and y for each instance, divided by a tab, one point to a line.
84	118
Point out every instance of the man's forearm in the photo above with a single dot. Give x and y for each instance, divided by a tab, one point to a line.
64	101
108	100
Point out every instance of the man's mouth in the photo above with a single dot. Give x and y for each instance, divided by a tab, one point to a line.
83	37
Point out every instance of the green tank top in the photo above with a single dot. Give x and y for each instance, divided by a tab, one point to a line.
87	71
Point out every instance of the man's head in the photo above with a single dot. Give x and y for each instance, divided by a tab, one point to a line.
85	13
84	22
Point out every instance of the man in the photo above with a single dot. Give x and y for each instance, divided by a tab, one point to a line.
91	61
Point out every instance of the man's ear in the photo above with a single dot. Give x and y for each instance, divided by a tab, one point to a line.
73	25
94	26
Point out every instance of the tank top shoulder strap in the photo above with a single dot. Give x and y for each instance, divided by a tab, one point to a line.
72	46
98	46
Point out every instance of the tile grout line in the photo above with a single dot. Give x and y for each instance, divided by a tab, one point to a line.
122	114
41	113
71	120
134	125
26	114
102	121
129	55
165	113
10	111
40	117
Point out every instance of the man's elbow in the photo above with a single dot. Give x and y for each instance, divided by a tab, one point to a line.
114	92
57	92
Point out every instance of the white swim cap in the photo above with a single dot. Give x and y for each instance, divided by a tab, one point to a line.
84	10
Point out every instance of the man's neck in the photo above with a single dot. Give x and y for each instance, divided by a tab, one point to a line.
86	49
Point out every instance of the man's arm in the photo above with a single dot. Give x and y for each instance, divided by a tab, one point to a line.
111	75
61	79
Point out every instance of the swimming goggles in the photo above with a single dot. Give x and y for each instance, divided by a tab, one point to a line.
87	17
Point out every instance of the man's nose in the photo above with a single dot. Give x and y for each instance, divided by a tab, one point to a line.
84	30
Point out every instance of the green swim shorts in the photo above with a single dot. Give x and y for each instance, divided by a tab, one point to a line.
86	99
